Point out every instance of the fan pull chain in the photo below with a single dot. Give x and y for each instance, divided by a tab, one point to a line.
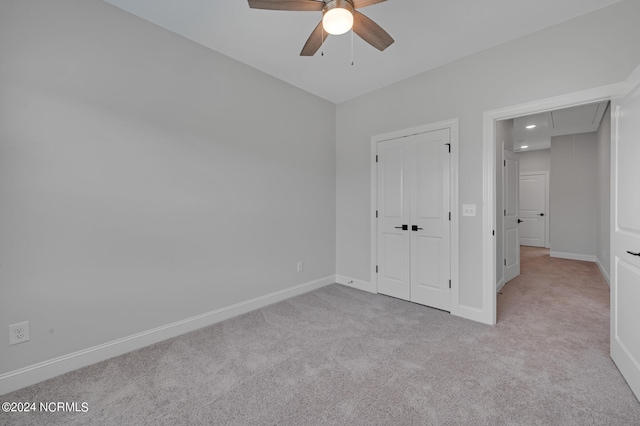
351	46
322	42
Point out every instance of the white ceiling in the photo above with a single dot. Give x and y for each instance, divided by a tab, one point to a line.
566	121
427	34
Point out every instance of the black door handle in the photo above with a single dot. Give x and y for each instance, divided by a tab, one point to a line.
403	227
415	228
540	214
519	221
633	254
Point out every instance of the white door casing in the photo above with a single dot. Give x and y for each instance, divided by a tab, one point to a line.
533	209
625	243
413	236
511	210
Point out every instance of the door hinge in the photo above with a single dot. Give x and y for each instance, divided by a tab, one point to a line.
377	267
376	213
376	158
505	212
505	163
448	146
449	215
494	232
505	264
449	283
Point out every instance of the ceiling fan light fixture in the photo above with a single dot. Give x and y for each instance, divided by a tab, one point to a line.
337	17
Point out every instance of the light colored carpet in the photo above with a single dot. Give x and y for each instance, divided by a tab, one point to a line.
342	356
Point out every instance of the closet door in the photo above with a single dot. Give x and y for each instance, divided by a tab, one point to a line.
394	216
413	219
430	224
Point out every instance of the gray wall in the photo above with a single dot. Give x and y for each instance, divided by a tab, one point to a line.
504	138
535	161
603	242
573	194
593	50
145	179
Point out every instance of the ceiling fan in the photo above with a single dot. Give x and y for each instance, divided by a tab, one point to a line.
338	17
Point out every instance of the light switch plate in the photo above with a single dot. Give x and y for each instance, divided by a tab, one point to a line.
468	210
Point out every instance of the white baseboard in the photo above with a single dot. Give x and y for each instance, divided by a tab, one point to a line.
474	314
603	272
352	282
41	371
573	256
468	312
499	285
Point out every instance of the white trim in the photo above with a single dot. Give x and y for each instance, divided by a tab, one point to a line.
502	216
471	313
547	236
357	284
453	126
573	256
499	285
630	82
489	176
604	273
36	373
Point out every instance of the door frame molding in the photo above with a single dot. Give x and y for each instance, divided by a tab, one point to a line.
547	243
452	125
488	313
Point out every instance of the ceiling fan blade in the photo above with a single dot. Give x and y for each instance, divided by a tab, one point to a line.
304	5
315	40
357	4
371	32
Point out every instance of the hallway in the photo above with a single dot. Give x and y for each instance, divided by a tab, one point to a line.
560	290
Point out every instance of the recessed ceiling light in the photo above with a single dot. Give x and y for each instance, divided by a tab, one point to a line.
531	126
524	146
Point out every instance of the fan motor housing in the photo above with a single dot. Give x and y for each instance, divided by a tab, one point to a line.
342	4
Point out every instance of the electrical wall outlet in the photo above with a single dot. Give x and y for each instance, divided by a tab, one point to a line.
300	266
18	333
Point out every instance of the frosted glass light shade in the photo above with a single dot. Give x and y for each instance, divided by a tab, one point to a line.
337	21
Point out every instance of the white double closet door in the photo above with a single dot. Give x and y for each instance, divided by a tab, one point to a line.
414	231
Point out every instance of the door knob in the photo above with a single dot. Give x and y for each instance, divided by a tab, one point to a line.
519	221
633	254
403	227
540	214
415	228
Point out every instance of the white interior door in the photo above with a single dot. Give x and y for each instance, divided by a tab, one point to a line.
533	207
394	217
625	244
413	253
430	221
511	210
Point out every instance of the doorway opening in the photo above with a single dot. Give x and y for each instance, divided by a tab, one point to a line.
489	259
553	187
